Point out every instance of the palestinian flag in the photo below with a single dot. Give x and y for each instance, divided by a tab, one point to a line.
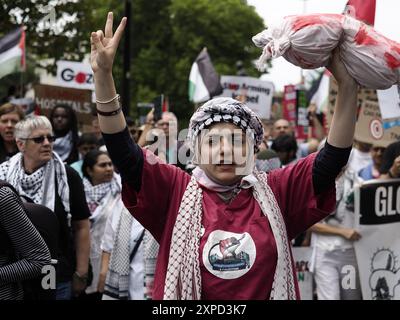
204	82
12	52
165	105
319	92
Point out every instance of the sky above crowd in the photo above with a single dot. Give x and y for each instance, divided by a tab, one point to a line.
272	11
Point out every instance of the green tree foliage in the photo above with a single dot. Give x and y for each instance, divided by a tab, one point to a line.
167	36
177	33
65	37
64	34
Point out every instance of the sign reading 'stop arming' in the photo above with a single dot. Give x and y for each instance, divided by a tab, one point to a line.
75	75
380	203
256	93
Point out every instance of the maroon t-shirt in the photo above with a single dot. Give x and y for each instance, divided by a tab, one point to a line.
237	249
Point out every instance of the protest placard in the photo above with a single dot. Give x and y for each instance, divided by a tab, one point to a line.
256	93
46	97
302	260
377	214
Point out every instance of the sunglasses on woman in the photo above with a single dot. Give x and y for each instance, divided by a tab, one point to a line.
40	139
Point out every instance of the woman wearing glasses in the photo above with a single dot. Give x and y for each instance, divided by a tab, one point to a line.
39	174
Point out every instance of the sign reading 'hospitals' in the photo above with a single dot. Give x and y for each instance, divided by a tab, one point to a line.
47	97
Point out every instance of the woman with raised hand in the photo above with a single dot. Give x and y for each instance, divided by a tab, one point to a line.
224	232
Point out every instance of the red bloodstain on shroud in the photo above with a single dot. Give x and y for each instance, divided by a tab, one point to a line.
300	22
364	38
391	61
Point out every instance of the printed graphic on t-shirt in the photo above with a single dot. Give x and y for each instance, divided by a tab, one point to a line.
229	255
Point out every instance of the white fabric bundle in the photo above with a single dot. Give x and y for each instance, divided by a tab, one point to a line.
307	41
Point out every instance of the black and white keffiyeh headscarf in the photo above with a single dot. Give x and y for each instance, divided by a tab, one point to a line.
183	278
40	185
225	110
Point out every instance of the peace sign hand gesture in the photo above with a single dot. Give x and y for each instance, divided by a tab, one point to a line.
104	45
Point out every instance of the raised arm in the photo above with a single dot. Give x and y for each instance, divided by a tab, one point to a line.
344	118
334	156
103	49
125	154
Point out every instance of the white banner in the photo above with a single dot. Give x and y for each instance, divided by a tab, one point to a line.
302	260
389	102
377	209
75	75
256	93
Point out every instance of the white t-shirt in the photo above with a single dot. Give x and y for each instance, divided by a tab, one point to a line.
343	217
358	160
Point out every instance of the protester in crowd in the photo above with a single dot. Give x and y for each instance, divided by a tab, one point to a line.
23	253
96	130
372	170
161	138
308	147
268	127
267	160
133	129
390	167
333	245
39	174
46	222
226	211
315	122
316	129
128	260
281	127
333	240
10	115
65	124
87	142
360	156
102	190
116	234
286	148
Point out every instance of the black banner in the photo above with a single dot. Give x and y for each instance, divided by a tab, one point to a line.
380	202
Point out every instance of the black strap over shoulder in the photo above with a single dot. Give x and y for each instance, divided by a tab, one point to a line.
135	249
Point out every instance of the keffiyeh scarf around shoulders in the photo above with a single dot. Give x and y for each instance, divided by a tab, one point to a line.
40	186
63	146
96	195
183	279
